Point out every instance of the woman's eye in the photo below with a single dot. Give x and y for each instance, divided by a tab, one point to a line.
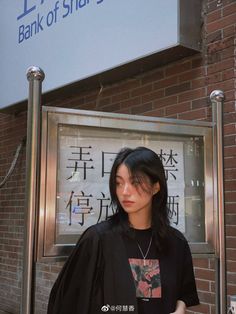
135	182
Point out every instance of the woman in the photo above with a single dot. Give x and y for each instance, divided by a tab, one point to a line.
133	262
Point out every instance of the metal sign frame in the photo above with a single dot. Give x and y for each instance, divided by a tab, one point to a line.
47	248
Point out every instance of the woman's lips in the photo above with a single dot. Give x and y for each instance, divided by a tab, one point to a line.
127	203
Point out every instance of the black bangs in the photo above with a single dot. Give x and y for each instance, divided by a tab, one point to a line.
142	180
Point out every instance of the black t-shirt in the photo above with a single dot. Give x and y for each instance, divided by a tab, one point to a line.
146	272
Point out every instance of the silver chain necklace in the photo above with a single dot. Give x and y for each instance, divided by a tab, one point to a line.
145	255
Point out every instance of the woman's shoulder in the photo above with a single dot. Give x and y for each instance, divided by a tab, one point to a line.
176	235
177	241
97	230
104	227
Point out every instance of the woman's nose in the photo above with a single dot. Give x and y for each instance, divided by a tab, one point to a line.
126	189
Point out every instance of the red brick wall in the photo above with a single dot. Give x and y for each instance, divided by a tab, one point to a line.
179	90
12	130
221	44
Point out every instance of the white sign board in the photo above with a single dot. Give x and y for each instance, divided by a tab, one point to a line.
84	164
75	39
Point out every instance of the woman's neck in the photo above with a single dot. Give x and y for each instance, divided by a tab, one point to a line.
140	221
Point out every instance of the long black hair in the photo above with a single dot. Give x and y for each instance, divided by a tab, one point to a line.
143	161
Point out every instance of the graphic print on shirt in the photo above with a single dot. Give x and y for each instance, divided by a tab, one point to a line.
147	277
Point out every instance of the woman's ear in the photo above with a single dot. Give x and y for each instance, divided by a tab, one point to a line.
156	188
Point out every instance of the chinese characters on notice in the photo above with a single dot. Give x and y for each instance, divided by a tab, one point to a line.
81	163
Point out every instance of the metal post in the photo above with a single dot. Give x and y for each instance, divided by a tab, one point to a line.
217	99
35	77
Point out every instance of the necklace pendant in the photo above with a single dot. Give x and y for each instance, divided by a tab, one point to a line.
145	255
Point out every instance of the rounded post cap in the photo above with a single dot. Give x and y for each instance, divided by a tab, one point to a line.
217	95
35	73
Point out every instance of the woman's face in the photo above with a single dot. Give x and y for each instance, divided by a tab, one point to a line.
134	194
